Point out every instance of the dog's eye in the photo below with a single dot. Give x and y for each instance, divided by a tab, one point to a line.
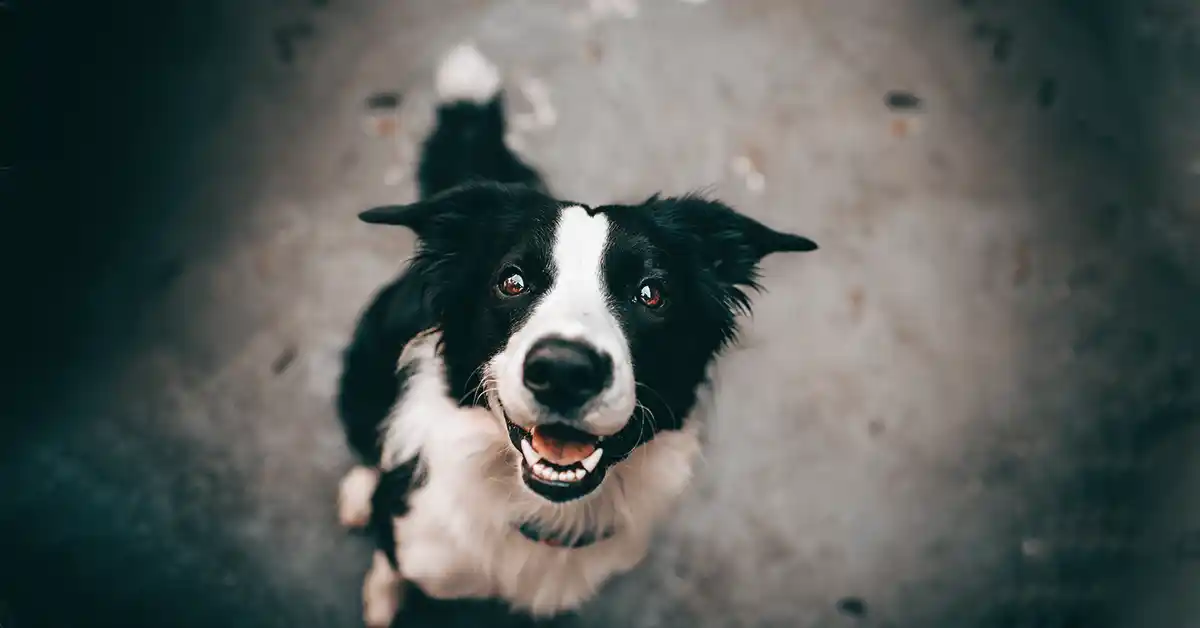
650	294
511	284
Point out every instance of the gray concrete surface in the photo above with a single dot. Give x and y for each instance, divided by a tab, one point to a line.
952	412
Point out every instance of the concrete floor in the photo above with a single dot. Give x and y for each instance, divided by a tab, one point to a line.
952	415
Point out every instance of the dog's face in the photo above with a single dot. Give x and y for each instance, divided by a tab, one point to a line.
587	330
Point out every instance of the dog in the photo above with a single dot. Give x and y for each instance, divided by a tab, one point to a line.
525	396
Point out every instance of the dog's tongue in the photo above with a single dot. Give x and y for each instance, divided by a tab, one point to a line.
558	447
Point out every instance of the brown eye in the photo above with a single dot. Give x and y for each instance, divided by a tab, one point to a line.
513	284
650	295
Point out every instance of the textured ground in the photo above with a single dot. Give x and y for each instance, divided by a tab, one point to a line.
946	417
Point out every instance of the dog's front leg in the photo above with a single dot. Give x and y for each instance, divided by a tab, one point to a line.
355	494
382	593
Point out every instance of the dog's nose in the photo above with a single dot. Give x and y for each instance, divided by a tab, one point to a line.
565	374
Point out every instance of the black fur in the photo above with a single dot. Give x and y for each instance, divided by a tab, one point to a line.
390	500
482	213
705	254
467	144
471	230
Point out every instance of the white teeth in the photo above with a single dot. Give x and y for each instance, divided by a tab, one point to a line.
530	455
546	473
591	461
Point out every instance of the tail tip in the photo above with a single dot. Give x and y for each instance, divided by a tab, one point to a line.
465	74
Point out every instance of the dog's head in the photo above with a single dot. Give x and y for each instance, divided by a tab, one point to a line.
586	329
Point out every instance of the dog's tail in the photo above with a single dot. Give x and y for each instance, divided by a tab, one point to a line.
467	142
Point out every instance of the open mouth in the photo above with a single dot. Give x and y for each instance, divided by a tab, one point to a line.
559	462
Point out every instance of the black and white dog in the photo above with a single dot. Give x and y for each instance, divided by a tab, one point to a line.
524	396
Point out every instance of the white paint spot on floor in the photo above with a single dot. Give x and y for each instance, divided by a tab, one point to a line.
542	114
744	167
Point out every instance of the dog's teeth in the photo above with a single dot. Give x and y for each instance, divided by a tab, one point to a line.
530	455
593	460
553	475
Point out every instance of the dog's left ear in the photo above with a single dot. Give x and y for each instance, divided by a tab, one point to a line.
729	243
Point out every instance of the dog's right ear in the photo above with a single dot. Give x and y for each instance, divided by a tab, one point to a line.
411	215
425	216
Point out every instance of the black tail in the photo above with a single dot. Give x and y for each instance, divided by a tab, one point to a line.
467	142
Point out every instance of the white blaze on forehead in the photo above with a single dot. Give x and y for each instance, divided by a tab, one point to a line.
576	307
579	243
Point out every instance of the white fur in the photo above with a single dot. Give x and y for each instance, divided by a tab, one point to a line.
381	593
354	496
576	307
465	74
458	538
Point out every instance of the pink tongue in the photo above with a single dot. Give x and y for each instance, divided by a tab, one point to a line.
560	452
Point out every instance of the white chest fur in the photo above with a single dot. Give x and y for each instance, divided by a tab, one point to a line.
458	537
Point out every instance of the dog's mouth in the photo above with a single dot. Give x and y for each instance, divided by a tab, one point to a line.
559	462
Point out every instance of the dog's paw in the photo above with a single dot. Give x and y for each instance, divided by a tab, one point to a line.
381	594
354	496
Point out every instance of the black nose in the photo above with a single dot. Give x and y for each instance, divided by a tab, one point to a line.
565	374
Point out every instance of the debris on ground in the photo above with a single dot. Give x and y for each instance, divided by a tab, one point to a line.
382	119
594	51
898	100
381	125
385	101
852	606
284	360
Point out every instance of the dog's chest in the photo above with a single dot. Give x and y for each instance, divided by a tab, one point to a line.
460	547
459	536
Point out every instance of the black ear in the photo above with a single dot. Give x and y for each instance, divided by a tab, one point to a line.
728	243
446	207
409	215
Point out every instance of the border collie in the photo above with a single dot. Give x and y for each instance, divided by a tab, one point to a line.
523	397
